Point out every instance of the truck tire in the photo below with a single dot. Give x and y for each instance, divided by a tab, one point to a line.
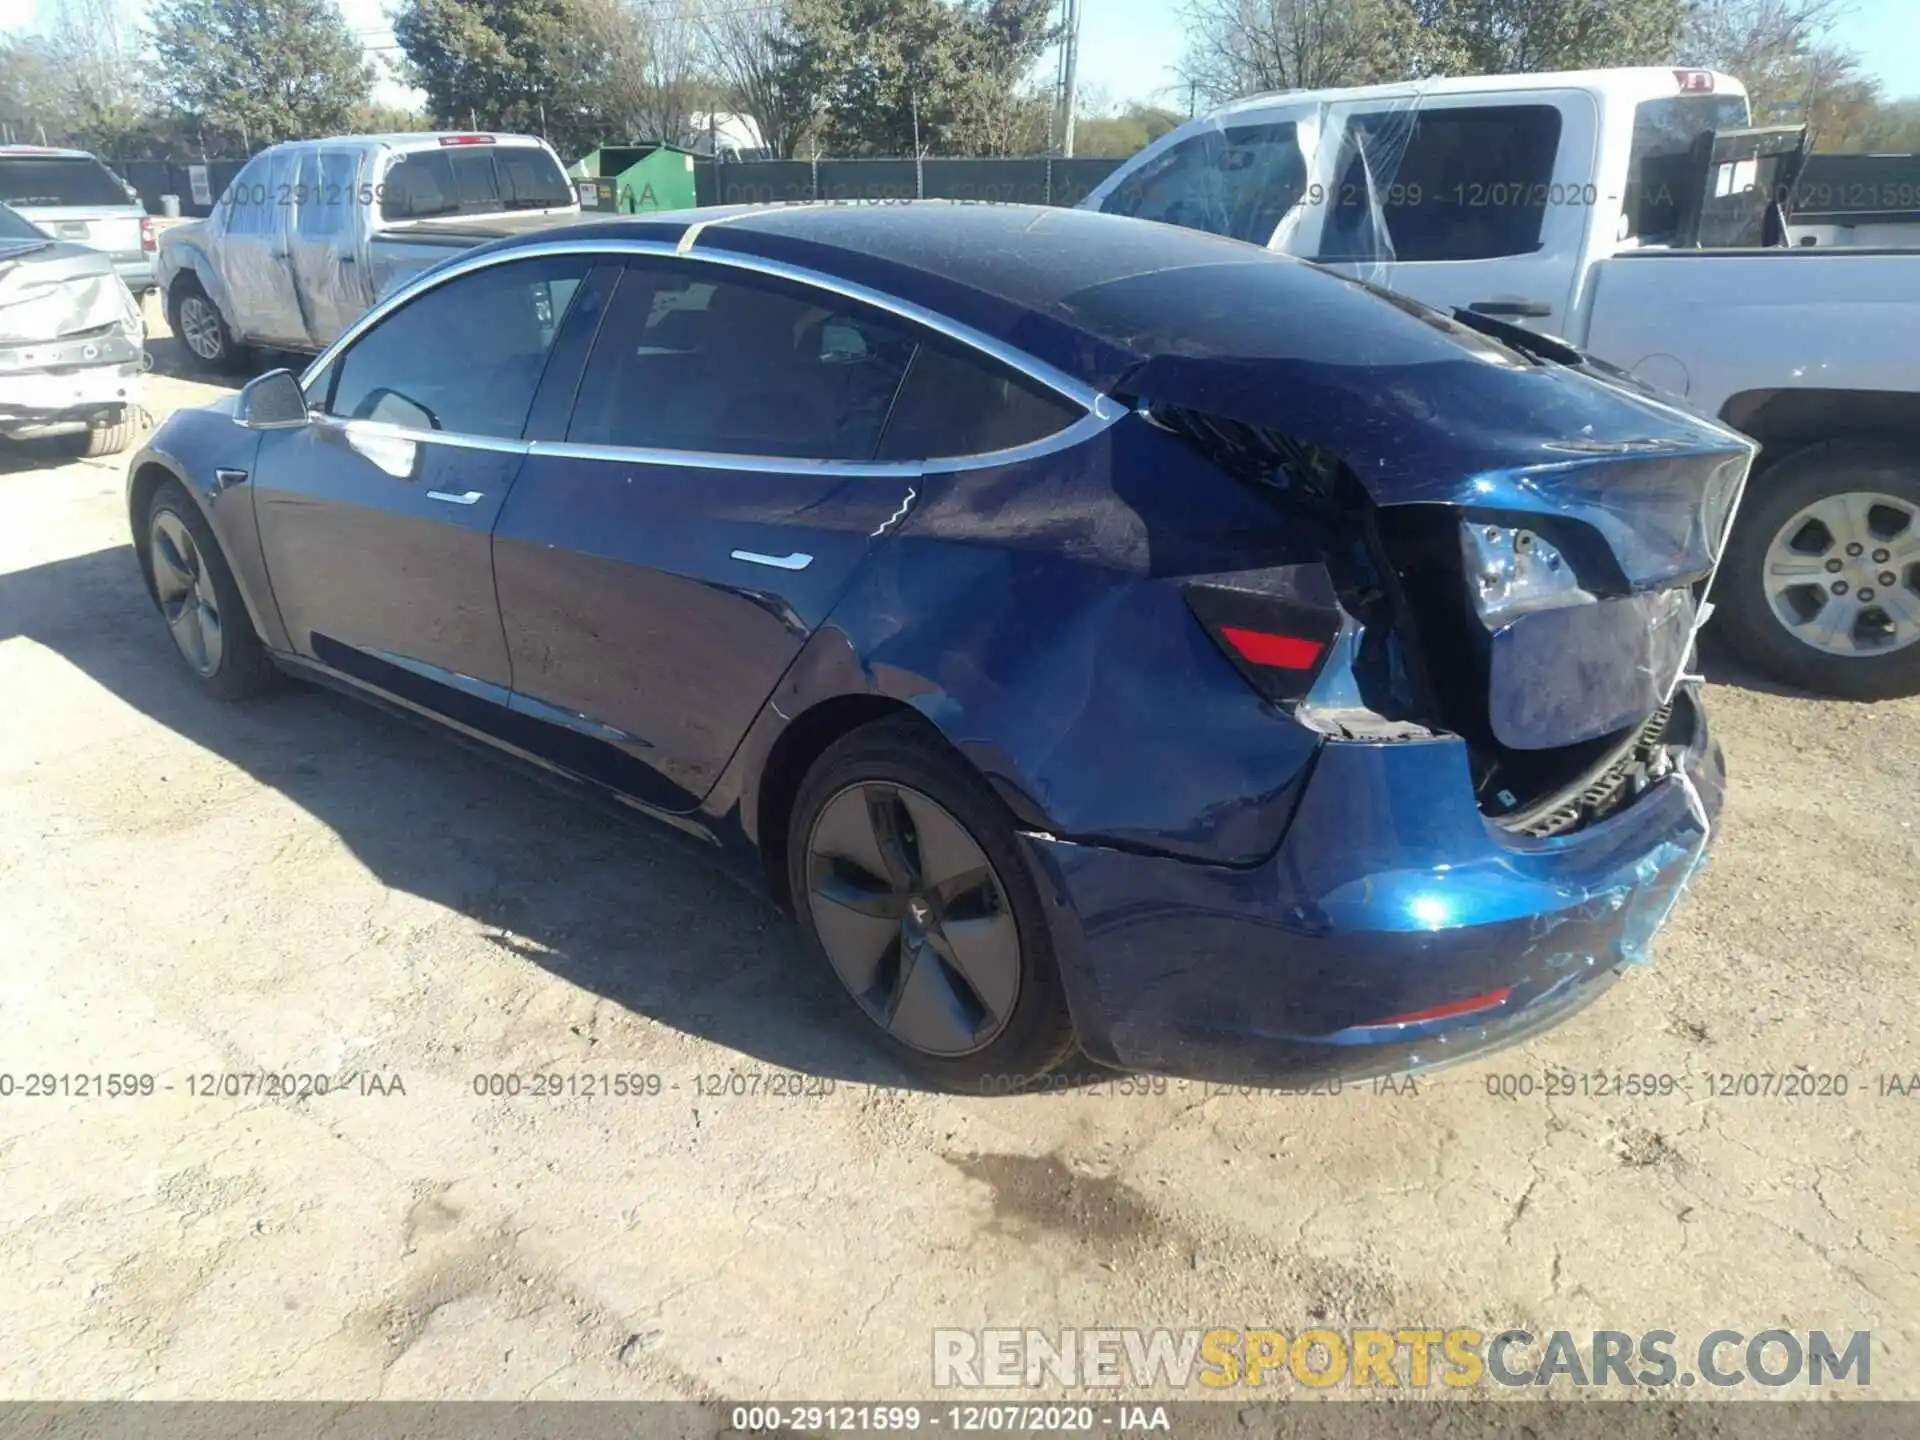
1821	583
108	439
201	329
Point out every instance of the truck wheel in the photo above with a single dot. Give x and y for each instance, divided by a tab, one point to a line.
1821	584
198	325
108	439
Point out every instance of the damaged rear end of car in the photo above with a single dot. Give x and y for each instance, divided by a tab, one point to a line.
1514	779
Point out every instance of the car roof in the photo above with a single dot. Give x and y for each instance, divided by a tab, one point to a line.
42	152
1014	273
413	139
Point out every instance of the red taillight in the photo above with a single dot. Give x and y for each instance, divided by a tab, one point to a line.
1442	1012
466	139
1276	626
1694	82
1284	652
148	241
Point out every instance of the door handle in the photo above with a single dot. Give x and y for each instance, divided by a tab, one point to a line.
1519	309
796	561
465	497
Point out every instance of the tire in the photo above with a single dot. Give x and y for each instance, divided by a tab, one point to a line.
107	439
1000	1024
1779	564
234	665
191	309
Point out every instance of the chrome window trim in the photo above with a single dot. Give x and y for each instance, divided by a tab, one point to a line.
1062	384
384	429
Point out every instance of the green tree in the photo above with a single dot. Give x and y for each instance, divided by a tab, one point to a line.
1245	47
1134	128
1492	37
950	75
270	70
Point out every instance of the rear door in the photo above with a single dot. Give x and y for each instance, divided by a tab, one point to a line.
376	517
324	242
251	251
735	446
1463	201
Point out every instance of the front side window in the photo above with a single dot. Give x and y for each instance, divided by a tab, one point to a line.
691	359
1443	184
55	180
245	203
1239	181
466	356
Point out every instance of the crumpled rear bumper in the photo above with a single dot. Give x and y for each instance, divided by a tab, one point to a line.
1391	896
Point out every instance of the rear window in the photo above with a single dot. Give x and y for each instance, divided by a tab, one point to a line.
1665	164
1449	184
58	180
473	180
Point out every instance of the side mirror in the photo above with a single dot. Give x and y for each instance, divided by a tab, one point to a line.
272	401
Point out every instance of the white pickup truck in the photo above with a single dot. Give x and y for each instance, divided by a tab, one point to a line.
1634	214
312	232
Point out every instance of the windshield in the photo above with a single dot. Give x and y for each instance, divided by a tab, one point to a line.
473	180
1663	166
14	226
58	180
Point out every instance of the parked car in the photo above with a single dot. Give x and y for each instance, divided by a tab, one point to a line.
70	342
1091	629
76	199
312	232
1588	206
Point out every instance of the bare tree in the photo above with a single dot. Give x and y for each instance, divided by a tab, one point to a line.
747	50
1777	48
1242	47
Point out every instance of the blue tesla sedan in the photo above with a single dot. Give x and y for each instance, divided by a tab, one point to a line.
1101	636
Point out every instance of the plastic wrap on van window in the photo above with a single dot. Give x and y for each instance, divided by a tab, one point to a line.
1260	178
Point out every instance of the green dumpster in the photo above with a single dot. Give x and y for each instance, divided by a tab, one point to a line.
644	177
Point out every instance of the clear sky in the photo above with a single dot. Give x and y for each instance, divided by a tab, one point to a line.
1128	48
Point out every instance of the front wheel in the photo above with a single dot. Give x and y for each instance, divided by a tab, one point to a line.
1821	585
198	325
200	600
908	880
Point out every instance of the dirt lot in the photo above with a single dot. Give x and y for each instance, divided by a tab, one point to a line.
307	886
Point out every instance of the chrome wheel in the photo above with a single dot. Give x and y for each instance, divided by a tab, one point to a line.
913	918
1843	575
186	592
200	326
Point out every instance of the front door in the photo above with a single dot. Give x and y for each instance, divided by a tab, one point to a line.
376	518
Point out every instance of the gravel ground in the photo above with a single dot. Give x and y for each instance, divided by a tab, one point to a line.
304	885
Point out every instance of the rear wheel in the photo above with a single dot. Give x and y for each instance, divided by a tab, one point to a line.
198	325
200	601
909	883
107	439
1821	586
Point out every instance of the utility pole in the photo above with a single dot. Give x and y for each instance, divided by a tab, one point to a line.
1066	90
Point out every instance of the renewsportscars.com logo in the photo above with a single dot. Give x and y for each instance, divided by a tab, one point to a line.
1410	1358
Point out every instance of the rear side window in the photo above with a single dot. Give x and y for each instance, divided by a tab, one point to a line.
465	357
961	403
690	359
472	180
1239	182
1668	161
325	193
1443	184
53	180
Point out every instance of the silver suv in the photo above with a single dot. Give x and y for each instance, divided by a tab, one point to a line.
73	197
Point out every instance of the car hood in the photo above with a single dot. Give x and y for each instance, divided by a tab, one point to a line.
51	291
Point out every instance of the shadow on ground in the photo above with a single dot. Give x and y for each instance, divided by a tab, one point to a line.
607	901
